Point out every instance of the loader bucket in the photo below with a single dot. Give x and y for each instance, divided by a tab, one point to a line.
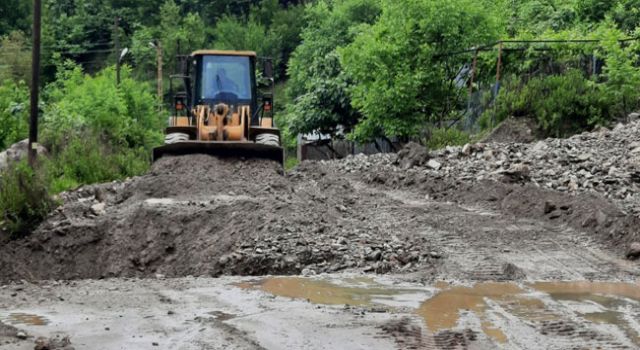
224	149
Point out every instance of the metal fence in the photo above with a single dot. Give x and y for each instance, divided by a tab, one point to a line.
543	57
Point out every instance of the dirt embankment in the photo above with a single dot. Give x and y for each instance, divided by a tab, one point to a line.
481	212
198	215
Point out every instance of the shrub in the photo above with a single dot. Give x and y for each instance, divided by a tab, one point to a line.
13	112
561	104
123	116
402	71
98	132
443	137
24	200
86	158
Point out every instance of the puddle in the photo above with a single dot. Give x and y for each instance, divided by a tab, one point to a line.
495	304
26	319
613	298
365	292
442	312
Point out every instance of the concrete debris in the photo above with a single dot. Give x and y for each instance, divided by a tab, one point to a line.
55	343
98	209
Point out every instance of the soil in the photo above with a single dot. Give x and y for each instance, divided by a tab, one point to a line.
521	130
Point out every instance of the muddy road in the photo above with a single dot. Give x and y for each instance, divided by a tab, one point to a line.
514	246
343	311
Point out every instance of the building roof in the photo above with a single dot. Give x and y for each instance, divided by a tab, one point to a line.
223	53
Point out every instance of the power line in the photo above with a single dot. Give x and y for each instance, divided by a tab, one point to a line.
73	52
54	47
541	41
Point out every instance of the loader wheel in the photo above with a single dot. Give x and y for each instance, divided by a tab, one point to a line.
268	139
175	137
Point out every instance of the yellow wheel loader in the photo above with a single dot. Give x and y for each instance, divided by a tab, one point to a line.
221	111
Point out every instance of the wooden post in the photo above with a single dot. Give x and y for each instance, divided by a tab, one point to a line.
35	83
160	87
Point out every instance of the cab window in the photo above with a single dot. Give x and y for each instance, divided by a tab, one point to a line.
226	76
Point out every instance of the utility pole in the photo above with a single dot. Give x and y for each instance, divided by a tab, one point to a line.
116	39
35	82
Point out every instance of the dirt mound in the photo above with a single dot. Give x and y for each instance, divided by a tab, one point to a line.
199	215
521	130
412	154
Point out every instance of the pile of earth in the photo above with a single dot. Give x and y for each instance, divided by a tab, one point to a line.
590	181
199	215
522	130
202	216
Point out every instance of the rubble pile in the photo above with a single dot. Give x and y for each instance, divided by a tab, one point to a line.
606	162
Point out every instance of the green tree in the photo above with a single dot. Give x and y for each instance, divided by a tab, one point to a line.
15	15
15	57
404	75
318	85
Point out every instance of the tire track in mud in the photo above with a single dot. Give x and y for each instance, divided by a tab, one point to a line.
480	244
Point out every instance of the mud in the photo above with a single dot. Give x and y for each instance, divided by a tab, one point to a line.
343	311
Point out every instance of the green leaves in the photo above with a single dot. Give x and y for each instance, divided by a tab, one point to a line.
14	105
401	67
24	201
318	84
97	131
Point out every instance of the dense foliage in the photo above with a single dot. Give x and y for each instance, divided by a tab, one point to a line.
24	200
404	76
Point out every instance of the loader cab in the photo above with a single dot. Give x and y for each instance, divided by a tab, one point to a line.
224	77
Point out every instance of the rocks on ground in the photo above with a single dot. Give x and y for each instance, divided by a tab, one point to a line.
17	152
55	343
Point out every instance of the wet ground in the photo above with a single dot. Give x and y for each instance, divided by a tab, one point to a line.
346	311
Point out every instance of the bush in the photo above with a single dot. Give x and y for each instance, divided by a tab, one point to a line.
14	108
24	200
561	104
443	137
401	68
86	159
97	132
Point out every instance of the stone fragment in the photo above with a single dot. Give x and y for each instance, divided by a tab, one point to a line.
634	251
433	164
98	209
549	207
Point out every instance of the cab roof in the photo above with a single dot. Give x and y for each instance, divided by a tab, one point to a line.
223	53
